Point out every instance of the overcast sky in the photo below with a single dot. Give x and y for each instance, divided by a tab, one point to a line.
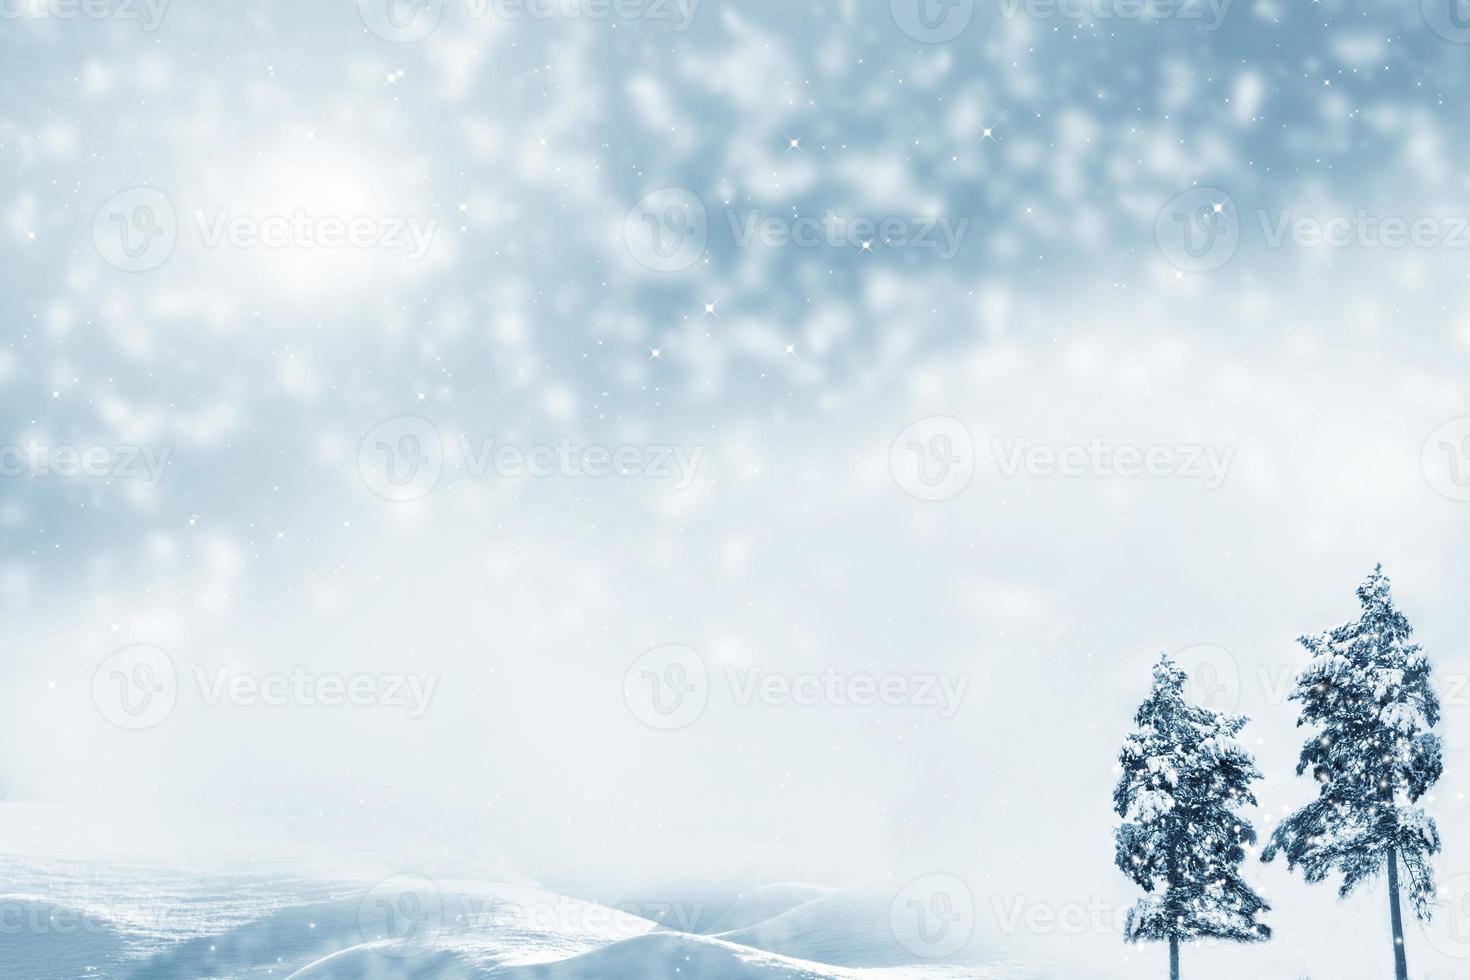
971	370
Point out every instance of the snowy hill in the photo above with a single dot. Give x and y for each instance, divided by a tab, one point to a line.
142	918
657	956
373	962
849	928
51	939
672	955
765	903
494	931
463	928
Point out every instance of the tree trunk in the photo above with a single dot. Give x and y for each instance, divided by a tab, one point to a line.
1173	958
1400	964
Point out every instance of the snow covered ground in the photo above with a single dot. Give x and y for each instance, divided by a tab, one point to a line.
80	906
265	925
89	899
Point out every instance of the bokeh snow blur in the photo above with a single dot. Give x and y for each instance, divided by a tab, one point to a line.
394	388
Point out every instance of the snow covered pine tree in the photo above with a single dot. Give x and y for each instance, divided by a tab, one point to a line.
1367	687
1181	841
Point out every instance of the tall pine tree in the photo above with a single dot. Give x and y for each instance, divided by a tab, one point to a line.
1366	689
1182	840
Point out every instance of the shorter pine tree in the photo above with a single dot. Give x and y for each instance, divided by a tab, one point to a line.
1182	841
